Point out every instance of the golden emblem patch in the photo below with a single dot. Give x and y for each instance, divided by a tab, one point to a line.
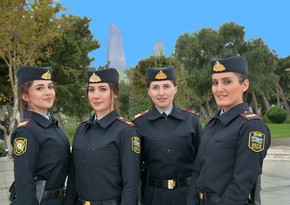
256	141
95	78
136	144
20	146
160	76
218	67
46	75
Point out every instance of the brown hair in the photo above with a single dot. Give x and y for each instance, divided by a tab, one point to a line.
23	89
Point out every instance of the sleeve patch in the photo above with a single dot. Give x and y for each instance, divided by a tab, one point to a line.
136	144
20	146
256	141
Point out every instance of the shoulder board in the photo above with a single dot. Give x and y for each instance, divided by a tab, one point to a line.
24	124
139	115
248	115
82	122
184	110
124	121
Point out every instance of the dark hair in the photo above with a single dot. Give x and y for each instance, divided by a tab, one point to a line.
115	90
23	89
242	77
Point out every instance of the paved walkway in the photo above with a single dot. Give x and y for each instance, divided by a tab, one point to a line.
275	177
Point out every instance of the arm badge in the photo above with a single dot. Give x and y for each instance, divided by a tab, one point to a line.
20	146
256	141
136	144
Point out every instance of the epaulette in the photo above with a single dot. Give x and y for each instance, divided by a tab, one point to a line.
82	122
248	115
24	124
124	121
184	110
139	115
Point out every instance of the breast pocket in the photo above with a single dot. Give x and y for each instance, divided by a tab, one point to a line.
185	139
226	146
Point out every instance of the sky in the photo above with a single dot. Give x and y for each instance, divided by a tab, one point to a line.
143	23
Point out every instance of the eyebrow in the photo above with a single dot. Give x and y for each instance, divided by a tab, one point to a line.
225	78
41	84
99	86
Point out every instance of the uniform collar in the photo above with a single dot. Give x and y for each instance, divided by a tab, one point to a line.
104	121
153	113
228	116
40	119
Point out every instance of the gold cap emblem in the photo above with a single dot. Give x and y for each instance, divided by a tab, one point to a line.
95	78
46	75
160	75
218	67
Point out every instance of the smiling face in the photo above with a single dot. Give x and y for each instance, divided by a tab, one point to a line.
40	96
228	90
162	93
101	98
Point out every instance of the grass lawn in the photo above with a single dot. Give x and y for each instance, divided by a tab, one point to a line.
279	130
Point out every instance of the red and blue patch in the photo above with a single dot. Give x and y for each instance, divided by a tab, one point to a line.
256	141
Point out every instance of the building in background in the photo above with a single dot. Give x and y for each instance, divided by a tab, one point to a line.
159	49
115	50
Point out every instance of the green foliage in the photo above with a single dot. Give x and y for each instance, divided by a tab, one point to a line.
70	61
125	90
277	114
195	50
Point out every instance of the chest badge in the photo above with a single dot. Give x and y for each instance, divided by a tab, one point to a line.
256	141
136	144
20	146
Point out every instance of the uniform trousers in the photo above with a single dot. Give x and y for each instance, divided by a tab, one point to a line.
161	196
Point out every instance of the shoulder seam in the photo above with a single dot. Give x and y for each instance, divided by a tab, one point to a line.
249	116
82	122
139	115
125	121
24	124
189	111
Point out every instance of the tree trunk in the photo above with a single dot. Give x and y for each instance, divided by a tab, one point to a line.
256	108
266	102
208	107
277	92
283	98
12	112
204	112
6	145
57	116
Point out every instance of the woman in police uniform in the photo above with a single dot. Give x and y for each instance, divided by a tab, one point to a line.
234	143
40	147
105	154
170	140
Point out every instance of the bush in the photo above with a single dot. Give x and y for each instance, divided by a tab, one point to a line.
277	114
